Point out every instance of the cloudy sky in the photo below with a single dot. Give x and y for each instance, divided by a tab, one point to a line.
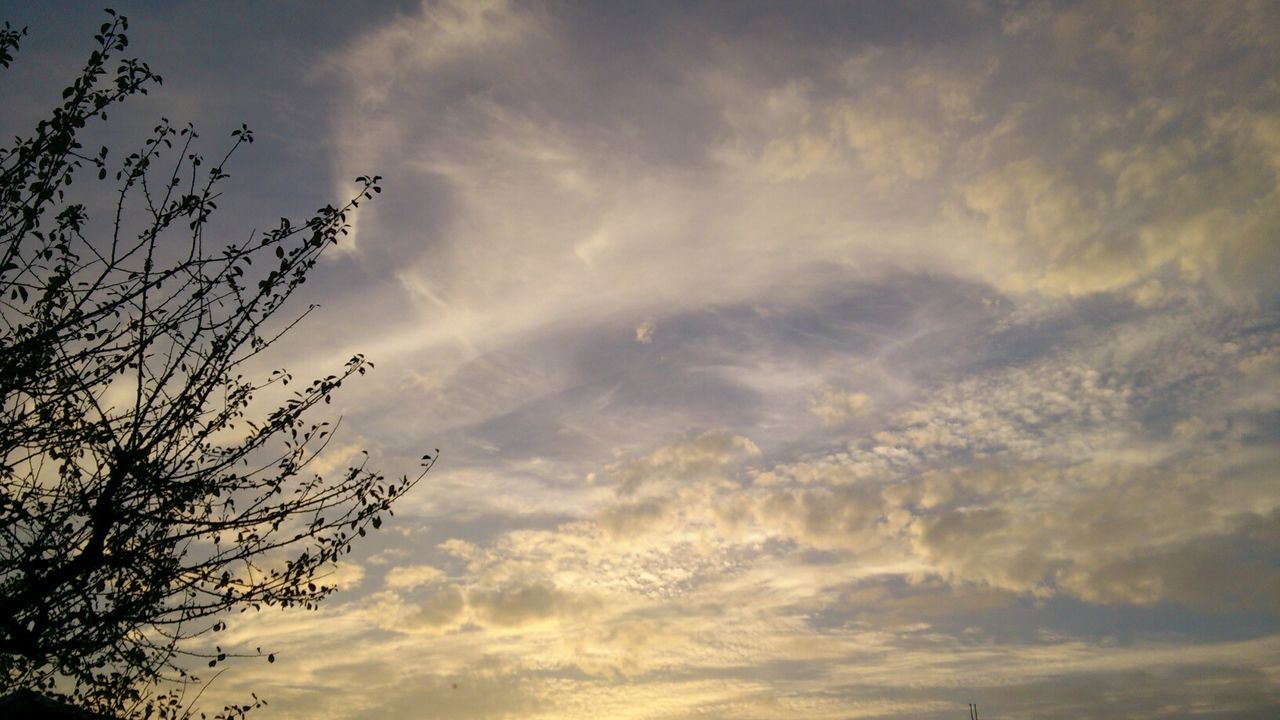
787	360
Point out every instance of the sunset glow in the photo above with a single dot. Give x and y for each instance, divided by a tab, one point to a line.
786	360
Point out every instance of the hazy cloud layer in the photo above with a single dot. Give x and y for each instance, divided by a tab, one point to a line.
802	360
867	375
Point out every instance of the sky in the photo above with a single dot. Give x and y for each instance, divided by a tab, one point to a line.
786	360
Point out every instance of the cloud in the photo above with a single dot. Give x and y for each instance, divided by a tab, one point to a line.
966	376
794	158
821	517
633	518
644	332
893	149
1035	209
342	575
441	609
408	577
706	455
521	604
835	407
977	546
1134	191
1183	47
1215	572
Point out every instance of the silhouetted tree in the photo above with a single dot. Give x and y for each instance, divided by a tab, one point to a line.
143	493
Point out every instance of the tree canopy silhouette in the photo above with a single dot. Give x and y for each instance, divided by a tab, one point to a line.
143	491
